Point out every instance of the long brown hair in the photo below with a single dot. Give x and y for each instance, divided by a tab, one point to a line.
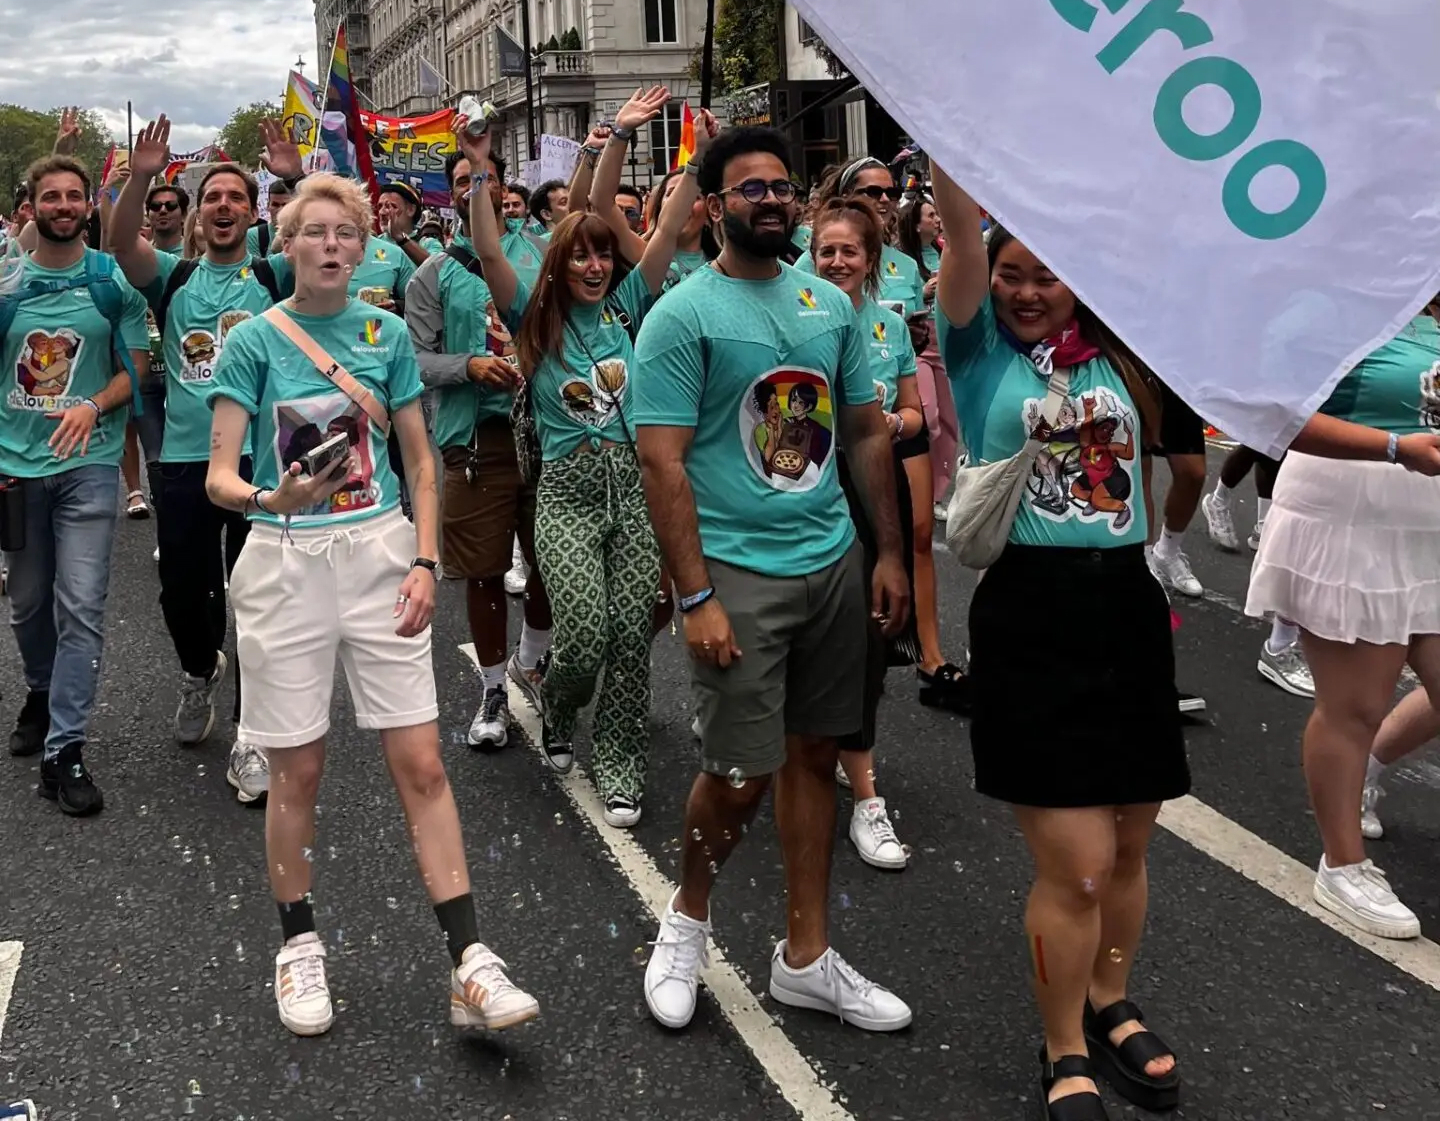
542	330
864	219
1140	380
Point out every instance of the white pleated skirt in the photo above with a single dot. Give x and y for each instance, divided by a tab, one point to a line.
1351	551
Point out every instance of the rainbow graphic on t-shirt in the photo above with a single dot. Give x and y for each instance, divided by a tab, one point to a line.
807	298
371	335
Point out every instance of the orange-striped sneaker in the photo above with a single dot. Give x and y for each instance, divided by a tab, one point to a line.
481	996
300	988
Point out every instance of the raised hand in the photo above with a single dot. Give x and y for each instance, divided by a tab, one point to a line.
67	137
644	107
281	155
476	149
707	128
598	136
151	152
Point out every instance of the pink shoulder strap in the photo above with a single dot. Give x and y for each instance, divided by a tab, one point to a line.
339	376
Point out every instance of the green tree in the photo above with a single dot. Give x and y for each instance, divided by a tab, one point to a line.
552	44
747	45
570	41
28	134
240	138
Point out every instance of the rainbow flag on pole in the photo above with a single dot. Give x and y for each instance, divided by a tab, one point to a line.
686	152
340	95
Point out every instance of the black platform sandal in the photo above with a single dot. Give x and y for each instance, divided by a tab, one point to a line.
1072	1107
948	688
1124	1066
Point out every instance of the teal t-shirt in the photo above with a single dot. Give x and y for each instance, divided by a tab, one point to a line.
1397	387
931	256
683	265
432	245
60	351
892	356
900	283
802	237
215	300
758	369
383	272
252	241
583	393
1085	491
525	250
295	408
474	327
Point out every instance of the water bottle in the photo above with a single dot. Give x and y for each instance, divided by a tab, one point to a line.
477	116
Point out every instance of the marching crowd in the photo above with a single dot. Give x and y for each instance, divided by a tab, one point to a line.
608	400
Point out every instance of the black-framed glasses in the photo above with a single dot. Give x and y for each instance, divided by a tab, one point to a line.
877	193
166	205
754	191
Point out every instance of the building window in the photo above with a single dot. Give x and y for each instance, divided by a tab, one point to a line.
660	22
665	138
807	33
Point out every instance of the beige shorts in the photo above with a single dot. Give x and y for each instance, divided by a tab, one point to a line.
321	592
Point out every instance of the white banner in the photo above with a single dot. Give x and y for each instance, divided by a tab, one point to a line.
557	157
1249	194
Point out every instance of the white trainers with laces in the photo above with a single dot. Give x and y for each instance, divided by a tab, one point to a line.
248	772
1220	521
482	996
1253	541
672	978
195	715
519	574
831	984
301	992
874	837
1175	571
1361	895
1287	669
490	729
1370	826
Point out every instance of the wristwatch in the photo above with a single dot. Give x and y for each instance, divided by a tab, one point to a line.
623	134
425	563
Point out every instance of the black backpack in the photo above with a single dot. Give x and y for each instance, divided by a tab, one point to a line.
263	237
185	269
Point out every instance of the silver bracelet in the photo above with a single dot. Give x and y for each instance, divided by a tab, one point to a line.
1392	449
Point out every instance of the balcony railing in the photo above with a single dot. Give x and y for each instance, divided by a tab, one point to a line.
566	64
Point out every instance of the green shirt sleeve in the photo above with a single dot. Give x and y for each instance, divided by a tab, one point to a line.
284	274
960	346
634	298
239	375
669	372
404	374
855	379
134	331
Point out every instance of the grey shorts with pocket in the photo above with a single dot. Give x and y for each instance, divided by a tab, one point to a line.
801	670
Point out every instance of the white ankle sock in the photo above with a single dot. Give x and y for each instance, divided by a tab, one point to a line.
1283	635
492	676
1222	493
1375	770
1169	543
533	646
1262	507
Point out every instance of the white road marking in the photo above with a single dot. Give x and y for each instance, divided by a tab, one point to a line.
1286	878
788	1069
9	967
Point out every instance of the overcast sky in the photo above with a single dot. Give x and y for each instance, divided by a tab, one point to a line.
195	60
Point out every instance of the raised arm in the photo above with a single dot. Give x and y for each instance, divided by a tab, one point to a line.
964	269
148	158
584	177
484	225
675	211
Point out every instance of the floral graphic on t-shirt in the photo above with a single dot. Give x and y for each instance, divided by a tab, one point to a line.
787	428
1084	469
304	424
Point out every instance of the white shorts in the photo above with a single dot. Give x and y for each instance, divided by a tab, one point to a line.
1351	551
299	602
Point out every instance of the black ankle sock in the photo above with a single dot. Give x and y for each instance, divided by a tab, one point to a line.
297	918
457	920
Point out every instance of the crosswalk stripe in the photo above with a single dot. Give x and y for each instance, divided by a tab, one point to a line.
9	968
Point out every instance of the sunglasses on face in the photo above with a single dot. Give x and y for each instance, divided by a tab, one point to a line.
632	213
754	191
165	205
877	193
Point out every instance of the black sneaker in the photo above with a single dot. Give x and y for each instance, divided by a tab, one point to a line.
31	725
559	754
65	780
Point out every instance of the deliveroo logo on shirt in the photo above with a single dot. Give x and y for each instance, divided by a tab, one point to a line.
1244	93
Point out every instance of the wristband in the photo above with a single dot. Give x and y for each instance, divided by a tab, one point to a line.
260	501
687	604
692	168
620	133
1392	449
591	151
475	184
426	563
98	410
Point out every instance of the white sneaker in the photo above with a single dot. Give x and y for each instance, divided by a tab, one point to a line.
1220	521
157	554
248	772
673	976
621	812
941	513
1370	826
1287	669
1253	541
529	681
301	992
1360	894
830	984
841	778
1175	571
490	729
195	714
481	996
874	837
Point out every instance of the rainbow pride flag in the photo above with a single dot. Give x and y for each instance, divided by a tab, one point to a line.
340	96
413	150
686	152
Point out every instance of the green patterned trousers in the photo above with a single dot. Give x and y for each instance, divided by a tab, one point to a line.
601	565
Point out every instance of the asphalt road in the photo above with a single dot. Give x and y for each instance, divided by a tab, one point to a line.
144	989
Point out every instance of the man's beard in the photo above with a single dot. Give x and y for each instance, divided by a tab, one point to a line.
49	233
753	243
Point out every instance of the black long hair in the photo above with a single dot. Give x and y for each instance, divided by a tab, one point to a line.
907	232
1140	380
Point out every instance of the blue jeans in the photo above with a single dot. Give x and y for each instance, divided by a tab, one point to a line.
58	585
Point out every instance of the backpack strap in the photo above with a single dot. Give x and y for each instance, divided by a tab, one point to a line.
263	238
265	274
105	293
465	259
622	317
183	271
341	378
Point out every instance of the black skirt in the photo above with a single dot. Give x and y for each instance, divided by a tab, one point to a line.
1073	675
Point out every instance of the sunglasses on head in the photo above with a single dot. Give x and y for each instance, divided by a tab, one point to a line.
754	190
877	193
163	204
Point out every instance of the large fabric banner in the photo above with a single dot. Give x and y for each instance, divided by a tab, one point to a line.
412	150
1249	194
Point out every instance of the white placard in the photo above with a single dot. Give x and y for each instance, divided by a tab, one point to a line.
557	157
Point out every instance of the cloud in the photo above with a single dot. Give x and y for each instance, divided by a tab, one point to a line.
190	60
